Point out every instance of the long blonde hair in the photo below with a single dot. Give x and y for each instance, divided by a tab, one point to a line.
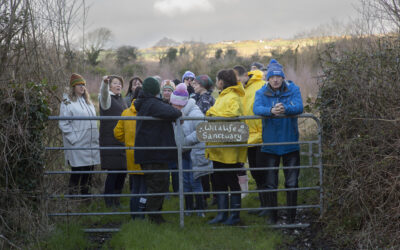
72	96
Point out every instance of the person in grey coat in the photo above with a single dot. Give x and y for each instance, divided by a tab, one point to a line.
79	133
194	158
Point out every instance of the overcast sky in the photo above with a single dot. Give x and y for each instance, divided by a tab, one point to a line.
142	23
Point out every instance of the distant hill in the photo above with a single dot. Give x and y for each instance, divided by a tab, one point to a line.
166	42
244	48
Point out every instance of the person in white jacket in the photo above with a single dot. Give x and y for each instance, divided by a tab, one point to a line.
79	133
195	158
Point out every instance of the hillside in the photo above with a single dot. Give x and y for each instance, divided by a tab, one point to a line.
244	48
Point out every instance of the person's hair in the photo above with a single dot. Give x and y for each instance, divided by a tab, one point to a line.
176	81
121	80
228	76
131	82
240	70
72	96
136	93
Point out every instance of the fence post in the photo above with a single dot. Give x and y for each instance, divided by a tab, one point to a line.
180	167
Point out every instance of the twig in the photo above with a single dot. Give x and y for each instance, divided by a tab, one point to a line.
376	119
9	242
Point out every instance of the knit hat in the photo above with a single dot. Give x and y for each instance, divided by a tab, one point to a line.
167	84
150	85
188	74
257	65
76	79
180	96
274	69
205	81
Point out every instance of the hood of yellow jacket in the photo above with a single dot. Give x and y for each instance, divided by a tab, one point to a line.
238	88
132	107
257	76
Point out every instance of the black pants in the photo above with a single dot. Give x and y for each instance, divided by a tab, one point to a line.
155	183
114	183
226	179
291	175
80	183
258	175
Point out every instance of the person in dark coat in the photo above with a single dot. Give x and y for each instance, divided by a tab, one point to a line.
111	104
155	134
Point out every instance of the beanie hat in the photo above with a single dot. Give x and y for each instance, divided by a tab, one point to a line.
274	69
167	84
205	81
180	96
150	85
76	79
188	74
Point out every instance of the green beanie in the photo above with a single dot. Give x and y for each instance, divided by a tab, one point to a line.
150	85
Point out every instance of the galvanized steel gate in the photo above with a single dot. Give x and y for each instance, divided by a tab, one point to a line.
311	156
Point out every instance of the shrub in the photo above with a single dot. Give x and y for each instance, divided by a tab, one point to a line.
360	110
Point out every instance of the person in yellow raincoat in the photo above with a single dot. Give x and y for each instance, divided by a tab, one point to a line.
124	132
253	81
228	104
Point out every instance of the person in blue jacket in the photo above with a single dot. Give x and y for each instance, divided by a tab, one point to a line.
279	97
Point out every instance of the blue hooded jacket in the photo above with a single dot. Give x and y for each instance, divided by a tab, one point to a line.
279	129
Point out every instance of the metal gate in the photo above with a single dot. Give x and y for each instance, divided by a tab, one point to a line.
310	153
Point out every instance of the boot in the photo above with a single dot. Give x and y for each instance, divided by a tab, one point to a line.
188	204
234	218
271	201
200	205
244	184
291	199
222	203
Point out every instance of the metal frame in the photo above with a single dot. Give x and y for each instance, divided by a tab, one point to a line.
179	148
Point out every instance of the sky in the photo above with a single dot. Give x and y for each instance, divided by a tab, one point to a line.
142	23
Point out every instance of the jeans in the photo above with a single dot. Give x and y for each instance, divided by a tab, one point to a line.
138	186
113	185
189	183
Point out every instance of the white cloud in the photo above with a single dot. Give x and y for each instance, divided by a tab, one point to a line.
173	7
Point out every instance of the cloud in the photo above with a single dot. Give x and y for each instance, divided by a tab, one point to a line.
173	7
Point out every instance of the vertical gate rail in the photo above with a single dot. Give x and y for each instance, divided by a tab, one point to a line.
180	170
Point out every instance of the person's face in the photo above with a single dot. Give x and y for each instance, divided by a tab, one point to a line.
244	78
79	89
198	88
253	68
116	86
188	81
275	82
166	93
135	84
220	84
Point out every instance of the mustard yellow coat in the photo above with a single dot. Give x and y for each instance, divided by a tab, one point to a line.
255	126
125	132
228	104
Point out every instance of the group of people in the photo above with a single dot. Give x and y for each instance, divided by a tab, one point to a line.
260	91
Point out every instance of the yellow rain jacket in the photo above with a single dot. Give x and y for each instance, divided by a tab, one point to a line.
228	104
125	132
255	126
